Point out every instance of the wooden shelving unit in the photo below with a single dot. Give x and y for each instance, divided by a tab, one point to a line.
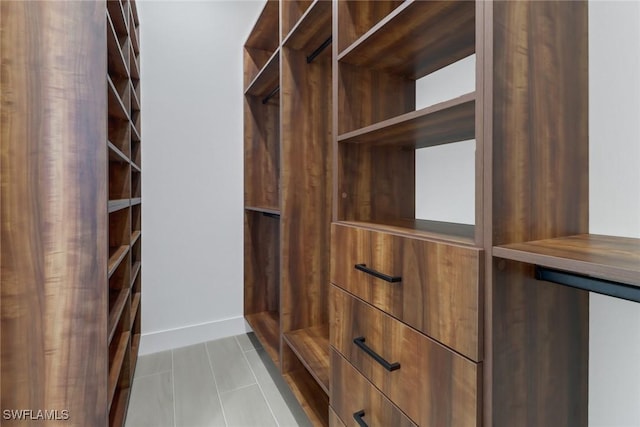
123	145
288	149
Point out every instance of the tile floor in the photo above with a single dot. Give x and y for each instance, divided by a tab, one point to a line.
227	382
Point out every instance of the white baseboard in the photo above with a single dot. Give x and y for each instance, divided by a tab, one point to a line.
154	342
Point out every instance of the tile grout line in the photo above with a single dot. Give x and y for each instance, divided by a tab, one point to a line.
173	388
264	396
215	383
150	375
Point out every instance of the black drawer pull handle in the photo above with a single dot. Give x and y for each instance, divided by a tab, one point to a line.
358	417
390	279
388	366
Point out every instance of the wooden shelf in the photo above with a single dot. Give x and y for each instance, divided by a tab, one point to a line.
448	121
271	211
267	78
311	346
135	135
133	66
135	102
117	15
133	35
136	201
312	29
416	39
115	311
135	346
605	257
434	230
135	167
118	412
134	11
266	326
312	399
117	108
116	155
116	205
116	62
116	364
135	304
264	34
134	236
116	258
135	269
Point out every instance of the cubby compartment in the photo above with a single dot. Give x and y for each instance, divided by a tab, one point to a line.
262	42
136	187
119	293
262	278
118	13
119	180
262	147
120	356
292	11
357	17
117	51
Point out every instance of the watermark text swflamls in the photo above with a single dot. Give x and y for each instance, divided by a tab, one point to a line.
36	415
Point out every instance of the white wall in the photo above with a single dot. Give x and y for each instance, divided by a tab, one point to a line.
192	180
614	204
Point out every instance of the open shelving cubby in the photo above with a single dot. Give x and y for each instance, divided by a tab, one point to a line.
379	129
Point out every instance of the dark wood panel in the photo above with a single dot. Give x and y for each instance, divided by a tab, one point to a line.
254	60
267	79
334	420
53	164
261	263
311	346
439	289
292	11
442	123
265	33
352	393
446	381
305	388
306	190
266	326
116	258
366	97
539	86
375	183
357	17
417	38
607	257
313	29
262	147
117	51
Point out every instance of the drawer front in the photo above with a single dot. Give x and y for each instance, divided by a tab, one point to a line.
438	288
353	396
433	385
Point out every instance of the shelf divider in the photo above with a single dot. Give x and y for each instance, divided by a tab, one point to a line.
266	326
311	346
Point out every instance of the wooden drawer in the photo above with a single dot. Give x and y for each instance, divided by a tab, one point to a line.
433	385
352	395
439	289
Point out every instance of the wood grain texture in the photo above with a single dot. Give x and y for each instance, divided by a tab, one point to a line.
267	79
374	181
262	263
291	12
539	161
306	190
262	147
53	159
607	257
434	230
449	121
311	346
266	326
445	382
352	393
117	51
357	17
265	33
417	38
334	420
312	28
366	97
305	388
440	287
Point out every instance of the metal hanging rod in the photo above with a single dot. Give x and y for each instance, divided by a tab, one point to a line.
320	48
591	284
271	215
271	94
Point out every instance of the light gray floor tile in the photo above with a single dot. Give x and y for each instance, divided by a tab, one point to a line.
196	397
151	402
248	341
246	407
283	403
230	368
153	363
